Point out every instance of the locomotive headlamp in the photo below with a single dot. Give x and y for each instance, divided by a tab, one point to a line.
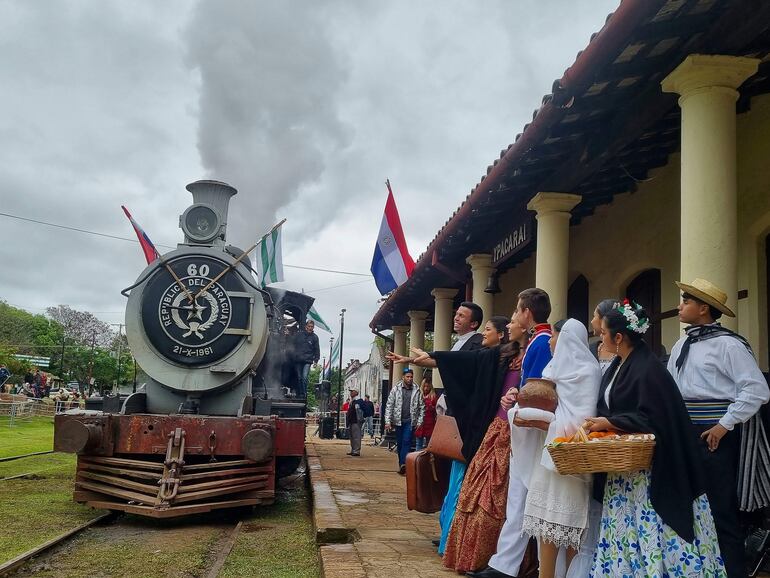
200	223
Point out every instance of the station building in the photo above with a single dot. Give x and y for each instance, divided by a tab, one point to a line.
648	163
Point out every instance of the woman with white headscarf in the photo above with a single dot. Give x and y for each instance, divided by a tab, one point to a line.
556	511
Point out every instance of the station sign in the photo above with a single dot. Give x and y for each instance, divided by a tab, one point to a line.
518	237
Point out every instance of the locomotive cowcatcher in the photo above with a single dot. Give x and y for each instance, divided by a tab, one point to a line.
212	427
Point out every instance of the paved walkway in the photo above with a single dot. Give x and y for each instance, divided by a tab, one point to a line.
359	510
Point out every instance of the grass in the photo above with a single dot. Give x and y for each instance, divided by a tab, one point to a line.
36	509
276	542
26	436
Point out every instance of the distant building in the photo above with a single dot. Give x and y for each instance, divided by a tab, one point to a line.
368	376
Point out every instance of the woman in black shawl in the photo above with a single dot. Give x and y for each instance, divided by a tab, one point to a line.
655	522
474	382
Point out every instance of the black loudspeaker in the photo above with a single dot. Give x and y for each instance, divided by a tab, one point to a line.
326	431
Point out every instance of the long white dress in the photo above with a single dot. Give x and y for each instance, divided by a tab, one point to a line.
556	509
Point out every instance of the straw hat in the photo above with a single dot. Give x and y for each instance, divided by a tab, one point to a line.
707	292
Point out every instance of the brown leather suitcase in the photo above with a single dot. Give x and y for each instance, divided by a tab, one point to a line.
427	480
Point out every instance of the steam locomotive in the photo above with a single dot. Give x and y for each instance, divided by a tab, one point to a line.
212	427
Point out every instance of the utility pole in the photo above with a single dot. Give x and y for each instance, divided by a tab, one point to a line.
339	383
115	389
91	365
63	337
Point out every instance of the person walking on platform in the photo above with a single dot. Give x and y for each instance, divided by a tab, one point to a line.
404	412
723	389
354	418
368	425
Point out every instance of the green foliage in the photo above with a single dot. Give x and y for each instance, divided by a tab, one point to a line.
79	345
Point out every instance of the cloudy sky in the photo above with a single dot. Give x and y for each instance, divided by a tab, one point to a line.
306	107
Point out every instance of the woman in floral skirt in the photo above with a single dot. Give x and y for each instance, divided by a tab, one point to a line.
655	522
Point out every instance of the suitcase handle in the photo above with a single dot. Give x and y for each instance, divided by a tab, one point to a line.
433	467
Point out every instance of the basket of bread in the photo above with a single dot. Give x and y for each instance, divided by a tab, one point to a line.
606	451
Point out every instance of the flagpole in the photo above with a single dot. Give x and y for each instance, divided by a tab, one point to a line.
270	231
339	383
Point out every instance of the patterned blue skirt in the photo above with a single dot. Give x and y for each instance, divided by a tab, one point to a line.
635	543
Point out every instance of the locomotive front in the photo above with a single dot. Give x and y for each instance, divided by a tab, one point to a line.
211	427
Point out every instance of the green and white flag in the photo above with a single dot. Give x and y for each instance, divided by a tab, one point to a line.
269	259
313	316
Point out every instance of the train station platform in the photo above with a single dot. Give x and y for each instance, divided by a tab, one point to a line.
359	511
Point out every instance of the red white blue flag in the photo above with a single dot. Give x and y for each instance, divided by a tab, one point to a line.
150	252
391	265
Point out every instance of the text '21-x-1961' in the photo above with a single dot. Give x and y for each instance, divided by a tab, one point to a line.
212	427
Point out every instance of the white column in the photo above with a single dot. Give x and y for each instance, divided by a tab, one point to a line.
442	325
417	337
481	269
707	85
399	347
551	260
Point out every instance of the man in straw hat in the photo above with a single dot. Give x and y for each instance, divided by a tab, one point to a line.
723	387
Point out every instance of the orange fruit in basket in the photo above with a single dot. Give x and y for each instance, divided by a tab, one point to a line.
560	440
600	434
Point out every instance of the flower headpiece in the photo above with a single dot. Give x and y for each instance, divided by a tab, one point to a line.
629	310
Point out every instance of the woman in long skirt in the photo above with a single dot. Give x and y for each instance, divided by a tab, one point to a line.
655	522
480	511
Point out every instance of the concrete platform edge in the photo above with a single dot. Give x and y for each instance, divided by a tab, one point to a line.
338	556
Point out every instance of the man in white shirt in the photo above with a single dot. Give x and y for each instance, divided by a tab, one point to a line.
722	387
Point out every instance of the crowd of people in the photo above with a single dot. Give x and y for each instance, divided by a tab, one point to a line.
36	383
508	512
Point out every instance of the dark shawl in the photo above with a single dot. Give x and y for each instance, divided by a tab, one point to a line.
472	380
645	398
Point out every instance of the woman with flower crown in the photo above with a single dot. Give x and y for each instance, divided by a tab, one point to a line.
655	522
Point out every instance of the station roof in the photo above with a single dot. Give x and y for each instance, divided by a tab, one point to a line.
603	128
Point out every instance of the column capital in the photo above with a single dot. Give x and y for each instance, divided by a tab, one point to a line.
443	293
543	202
401	329
417	315
479	261
706	71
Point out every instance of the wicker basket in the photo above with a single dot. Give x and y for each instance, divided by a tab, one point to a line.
626	453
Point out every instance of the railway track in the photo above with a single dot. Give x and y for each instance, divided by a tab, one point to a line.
206	540
16	563
11	458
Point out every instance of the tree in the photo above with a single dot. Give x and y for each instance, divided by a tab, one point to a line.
82	327
26	333
17	367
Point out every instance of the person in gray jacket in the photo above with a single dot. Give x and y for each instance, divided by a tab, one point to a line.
404	411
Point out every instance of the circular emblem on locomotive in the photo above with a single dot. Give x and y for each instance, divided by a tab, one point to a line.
196	322
195	310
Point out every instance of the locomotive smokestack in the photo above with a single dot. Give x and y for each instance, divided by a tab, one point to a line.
199	226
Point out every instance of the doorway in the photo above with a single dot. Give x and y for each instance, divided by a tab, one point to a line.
645	290
577	301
